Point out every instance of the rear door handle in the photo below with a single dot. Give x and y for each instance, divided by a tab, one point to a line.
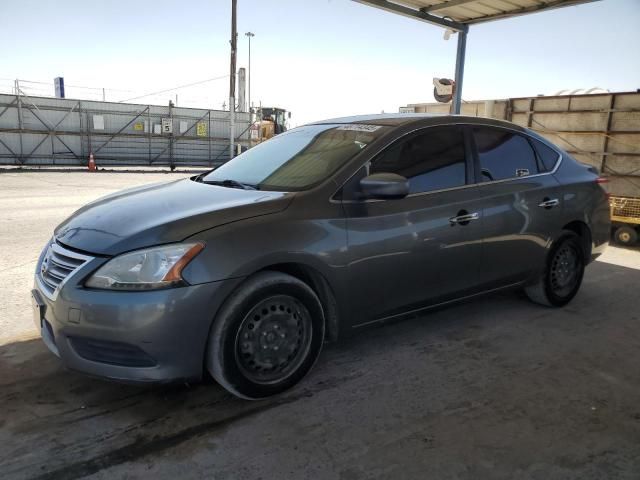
464	218
549	203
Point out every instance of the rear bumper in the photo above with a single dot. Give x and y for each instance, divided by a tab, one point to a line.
600	229
134	337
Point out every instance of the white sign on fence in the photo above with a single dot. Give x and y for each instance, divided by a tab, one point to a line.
98	122
167	125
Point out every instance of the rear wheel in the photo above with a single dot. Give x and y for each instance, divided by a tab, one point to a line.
625	235
563	273
267	336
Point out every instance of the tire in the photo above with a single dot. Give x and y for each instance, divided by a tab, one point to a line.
625	235
266	337
562	276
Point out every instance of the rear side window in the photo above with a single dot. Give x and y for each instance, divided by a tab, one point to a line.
548	156
433	160
504	154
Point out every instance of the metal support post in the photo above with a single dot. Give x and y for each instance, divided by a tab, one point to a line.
232	79
605	146
53	148
150	130
80	128
89	146
250	35
20	121
460	56
172	165
209	135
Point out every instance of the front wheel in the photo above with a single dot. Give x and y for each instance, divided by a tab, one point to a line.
562	275
266	337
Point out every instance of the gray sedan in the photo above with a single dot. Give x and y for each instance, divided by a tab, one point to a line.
245	271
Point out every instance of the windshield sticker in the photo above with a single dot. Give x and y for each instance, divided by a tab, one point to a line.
357	127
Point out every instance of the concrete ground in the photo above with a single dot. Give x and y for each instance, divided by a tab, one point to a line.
493	388
32	204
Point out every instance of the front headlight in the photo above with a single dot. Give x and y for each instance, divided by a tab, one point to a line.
148	269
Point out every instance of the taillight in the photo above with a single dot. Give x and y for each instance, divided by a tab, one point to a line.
601	181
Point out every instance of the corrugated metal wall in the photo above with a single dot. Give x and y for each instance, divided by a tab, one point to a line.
602	130
52	131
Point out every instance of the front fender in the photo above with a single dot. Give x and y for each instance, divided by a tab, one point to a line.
242	248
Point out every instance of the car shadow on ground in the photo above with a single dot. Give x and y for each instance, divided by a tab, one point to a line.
55	423
629	248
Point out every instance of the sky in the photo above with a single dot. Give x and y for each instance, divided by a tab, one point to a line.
315	58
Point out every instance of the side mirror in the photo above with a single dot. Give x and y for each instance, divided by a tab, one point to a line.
384	185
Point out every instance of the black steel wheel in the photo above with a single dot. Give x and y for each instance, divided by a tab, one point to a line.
274	339
266	337
565	269
562	276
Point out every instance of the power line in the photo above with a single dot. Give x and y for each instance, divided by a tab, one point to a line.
50	84
175	88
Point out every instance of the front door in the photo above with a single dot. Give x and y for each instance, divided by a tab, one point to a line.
404	254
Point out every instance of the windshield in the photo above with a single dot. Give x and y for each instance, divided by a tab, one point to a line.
297	159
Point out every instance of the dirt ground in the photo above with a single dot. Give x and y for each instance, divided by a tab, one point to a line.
494	388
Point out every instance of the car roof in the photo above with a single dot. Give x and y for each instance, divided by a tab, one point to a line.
419	119
381	118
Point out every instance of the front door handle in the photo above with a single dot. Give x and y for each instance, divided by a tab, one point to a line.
463	218
549	203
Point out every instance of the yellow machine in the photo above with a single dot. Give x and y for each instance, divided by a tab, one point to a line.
269	121
625	219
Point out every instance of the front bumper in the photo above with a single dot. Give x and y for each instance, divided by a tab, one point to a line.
137	337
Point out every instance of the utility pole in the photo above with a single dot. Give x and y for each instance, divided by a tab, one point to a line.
250	35
232	79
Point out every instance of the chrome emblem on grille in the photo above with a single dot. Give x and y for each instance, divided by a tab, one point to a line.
44	267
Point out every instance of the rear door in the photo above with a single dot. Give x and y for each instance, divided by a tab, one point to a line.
410	252
520	202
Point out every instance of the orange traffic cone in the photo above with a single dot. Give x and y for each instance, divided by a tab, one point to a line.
92	163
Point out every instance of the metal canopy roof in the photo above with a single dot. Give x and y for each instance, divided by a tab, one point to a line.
457	15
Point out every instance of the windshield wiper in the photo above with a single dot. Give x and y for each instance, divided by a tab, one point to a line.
231	184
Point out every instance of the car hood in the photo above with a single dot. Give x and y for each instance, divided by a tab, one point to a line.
161	213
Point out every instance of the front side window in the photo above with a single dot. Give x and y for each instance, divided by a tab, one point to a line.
297	159
503	154
433	160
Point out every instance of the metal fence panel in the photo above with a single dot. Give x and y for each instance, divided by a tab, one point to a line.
54	131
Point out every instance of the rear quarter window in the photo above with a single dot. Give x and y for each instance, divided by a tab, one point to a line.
548	156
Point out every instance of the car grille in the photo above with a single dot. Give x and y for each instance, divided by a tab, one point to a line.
57	265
